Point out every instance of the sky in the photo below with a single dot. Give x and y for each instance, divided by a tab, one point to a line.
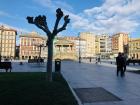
96	16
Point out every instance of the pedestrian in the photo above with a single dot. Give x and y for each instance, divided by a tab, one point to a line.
120	64
90	59
124	65
96	61
99	60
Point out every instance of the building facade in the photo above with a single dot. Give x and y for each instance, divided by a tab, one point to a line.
64	49
104	43
80	47
7	42
97	45
32	46
90	43
134	48
119	40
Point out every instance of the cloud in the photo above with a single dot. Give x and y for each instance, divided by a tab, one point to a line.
20	30
111	17
13	16
54	4
2	13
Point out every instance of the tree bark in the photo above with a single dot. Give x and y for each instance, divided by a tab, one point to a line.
49	60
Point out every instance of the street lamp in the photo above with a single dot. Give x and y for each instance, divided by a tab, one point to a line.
79	48
40	46
129	47
2	29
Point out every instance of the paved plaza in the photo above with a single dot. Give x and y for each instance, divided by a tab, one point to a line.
91	75
95	76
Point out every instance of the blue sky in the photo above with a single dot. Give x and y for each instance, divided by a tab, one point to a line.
97	16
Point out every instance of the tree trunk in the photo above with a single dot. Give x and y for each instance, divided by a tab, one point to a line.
49	60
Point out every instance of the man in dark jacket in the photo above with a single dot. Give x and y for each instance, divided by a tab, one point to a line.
124	66
120	64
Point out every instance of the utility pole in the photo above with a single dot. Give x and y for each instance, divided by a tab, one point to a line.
79	48
40	46
130	47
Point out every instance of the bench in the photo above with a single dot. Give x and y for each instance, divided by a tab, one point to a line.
6	65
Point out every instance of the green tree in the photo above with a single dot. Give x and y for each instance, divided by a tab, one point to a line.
40	22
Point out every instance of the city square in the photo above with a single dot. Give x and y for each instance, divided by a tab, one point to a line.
91	75
66	52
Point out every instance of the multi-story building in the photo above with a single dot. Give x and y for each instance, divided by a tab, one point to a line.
134	48
80	47
119	41
109	44
105	45
90	43
32	46
7	42
97	45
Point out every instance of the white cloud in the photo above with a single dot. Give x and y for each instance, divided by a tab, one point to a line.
54	4
20	30
2	13
13	16
111	17
46	3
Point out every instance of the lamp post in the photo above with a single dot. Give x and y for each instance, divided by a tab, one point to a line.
130	46
40	46
2	27
79	49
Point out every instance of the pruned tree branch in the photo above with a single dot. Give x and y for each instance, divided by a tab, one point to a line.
40	22
66	21
59	15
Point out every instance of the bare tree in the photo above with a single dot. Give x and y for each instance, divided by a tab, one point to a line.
40	22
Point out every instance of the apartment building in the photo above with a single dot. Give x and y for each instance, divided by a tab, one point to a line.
90	43
134	48
97	45
104	45
7	42
119	40
80	47
32	45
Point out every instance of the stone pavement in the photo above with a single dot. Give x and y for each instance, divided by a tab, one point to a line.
108	63
89	75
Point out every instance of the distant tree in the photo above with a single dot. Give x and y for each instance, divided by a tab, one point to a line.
40	22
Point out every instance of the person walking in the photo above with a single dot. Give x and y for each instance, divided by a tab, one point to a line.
120	64
96	61
89	59
99	60
124	65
